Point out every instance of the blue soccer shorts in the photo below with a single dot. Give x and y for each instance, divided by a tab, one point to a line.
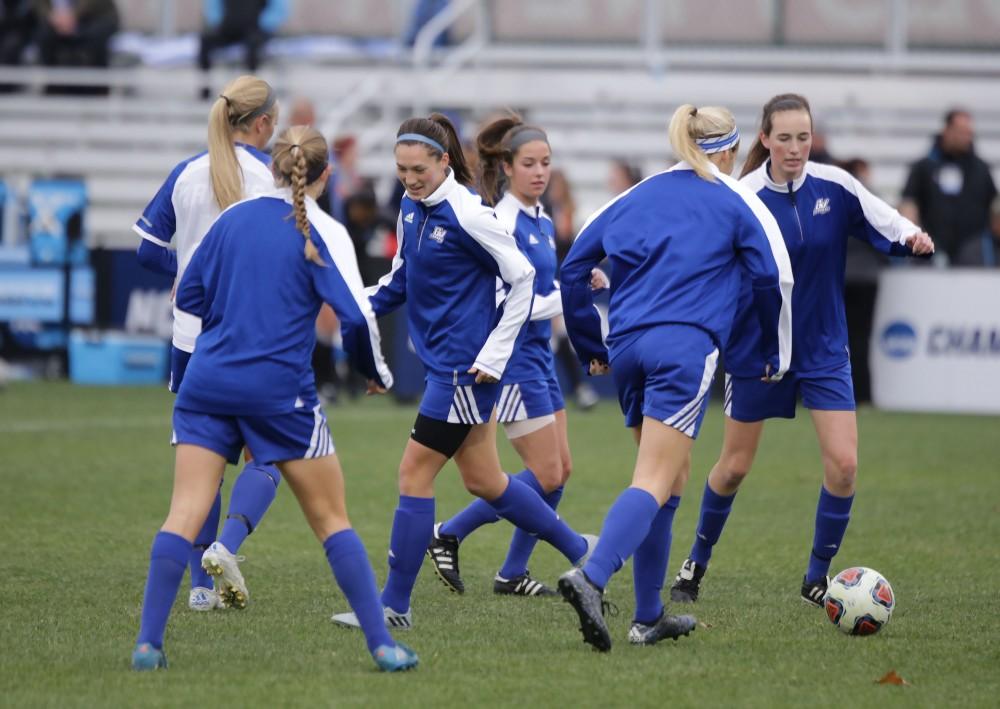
665	373
461	403
531	399
302	433
748	399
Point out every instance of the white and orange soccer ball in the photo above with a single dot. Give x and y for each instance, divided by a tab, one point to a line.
859	601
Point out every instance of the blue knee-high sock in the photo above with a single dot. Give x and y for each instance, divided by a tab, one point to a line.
522	544
715	510
625	526
167	560
832	515
200	577
649	566
475	515
524	508
412	528
349	561
253	493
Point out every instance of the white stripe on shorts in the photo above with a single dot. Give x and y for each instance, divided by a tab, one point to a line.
685	419
728	406
314	441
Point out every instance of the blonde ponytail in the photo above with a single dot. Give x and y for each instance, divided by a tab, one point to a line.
690	124
299	159
238	105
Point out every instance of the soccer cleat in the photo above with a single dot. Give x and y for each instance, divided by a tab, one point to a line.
395	659
587	601
146	658
591	540
203	599
666	626
813	592
222	565
522	585
687	583
399	621
443	553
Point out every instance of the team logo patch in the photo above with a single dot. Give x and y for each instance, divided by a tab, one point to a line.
822	206
438	234
408	218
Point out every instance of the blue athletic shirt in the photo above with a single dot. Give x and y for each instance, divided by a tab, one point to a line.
450	250
678	246
816	214
180	214
535	235
258	298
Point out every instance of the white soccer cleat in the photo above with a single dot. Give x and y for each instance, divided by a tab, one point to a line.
222	565
591	540
203	599
399	621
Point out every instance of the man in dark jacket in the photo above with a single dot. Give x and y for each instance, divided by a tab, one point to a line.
950	190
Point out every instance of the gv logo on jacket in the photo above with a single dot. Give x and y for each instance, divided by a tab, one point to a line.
822	206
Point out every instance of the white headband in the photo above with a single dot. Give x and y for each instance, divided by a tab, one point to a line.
718	143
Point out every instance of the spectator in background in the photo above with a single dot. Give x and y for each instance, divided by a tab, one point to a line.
17	26
302	112
819	152
622	175
76	33
984	251
949	191
247	22
344	180
558	202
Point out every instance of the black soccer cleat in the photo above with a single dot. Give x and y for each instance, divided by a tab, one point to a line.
522	585
587	601
688	582
443	553
813	592
666	626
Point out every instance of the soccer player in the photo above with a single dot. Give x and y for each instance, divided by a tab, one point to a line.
240	125
451	249
678	243
249	382
515	162
817	207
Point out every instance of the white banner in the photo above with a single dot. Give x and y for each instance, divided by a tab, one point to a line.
935	342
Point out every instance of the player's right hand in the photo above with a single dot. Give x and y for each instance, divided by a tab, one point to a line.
599	368
374	388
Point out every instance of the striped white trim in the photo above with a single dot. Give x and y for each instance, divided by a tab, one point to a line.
510	407
316	440
465	393
685	419
728	405
149	237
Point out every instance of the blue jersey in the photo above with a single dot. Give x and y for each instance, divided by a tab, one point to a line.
450	251
180	214
678	246
258	298
535	235
816	214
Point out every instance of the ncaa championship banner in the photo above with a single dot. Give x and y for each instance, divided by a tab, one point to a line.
935	342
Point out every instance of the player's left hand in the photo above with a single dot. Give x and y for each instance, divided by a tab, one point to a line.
599	280
599	368
921	244
483	377
374	388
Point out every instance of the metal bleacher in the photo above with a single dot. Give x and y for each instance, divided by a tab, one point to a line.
597	100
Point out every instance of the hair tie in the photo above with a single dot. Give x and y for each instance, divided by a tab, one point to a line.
226	99
694	111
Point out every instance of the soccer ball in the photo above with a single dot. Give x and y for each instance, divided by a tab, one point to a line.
859	601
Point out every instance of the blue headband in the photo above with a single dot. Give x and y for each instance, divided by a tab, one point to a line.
718	143
421	139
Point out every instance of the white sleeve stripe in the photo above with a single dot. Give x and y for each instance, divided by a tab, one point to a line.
883	218
341	249
780	253
149	237
515	269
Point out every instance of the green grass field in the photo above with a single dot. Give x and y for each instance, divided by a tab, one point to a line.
86	477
